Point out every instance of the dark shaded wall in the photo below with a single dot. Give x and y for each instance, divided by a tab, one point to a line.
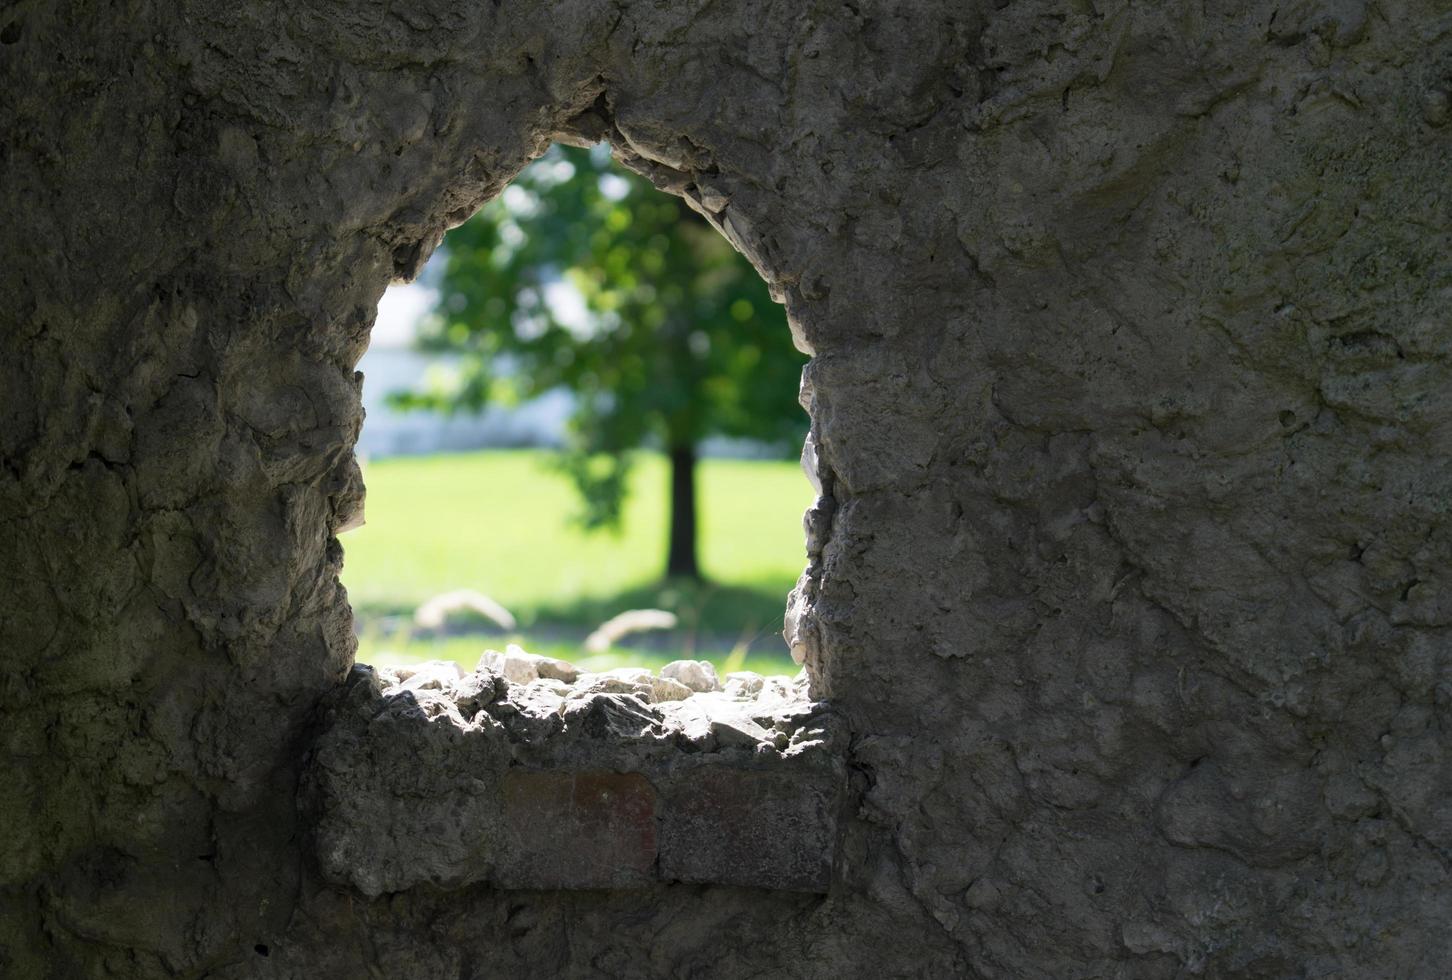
1131	394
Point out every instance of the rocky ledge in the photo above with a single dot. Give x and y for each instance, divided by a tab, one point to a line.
530	773
530	698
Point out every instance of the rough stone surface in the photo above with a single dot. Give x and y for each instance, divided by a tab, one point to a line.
577	830
486	780
712	831
1129	565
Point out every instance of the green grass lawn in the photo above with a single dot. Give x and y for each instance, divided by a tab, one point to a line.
499	522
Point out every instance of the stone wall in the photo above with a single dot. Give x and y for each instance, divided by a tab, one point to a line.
1129	575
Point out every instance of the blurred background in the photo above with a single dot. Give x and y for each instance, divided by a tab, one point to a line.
581	437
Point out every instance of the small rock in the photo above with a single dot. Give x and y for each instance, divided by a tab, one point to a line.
392	676
727	720
517	665
611	683
536	700
774	694
554	669
509	665
698	675
435	675
743	683
530	712
631	675
611	716
740	731
473	692
689	720
713	199
666	689
798	626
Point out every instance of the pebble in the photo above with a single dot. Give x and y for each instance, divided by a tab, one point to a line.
744	682
435	675
667	689
698	675
517	665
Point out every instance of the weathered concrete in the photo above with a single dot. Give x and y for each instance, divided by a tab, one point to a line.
1130	570
448	780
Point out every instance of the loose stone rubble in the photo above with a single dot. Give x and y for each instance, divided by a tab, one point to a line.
522	691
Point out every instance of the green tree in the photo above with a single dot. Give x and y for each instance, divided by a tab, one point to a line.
678	340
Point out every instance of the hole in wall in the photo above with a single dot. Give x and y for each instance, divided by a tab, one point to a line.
581	440
584	282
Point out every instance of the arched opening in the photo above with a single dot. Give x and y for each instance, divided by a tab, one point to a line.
674	769
581	444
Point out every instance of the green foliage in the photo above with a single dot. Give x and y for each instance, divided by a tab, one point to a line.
679	339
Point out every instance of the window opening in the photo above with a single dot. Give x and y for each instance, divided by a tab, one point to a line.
580	440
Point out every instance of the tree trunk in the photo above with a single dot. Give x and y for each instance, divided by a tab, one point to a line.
681	557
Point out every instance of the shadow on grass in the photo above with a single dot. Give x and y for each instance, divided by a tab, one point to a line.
735	626
702	607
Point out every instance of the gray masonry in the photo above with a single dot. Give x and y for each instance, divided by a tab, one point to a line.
1129	583
430	775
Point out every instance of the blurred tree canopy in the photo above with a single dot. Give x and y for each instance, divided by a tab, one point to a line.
676	338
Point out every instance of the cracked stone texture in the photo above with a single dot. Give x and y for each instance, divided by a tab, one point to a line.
477	778
1131	419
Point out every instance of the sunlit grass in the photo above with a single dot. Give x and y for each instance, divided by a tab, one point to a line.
498	522
402	650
